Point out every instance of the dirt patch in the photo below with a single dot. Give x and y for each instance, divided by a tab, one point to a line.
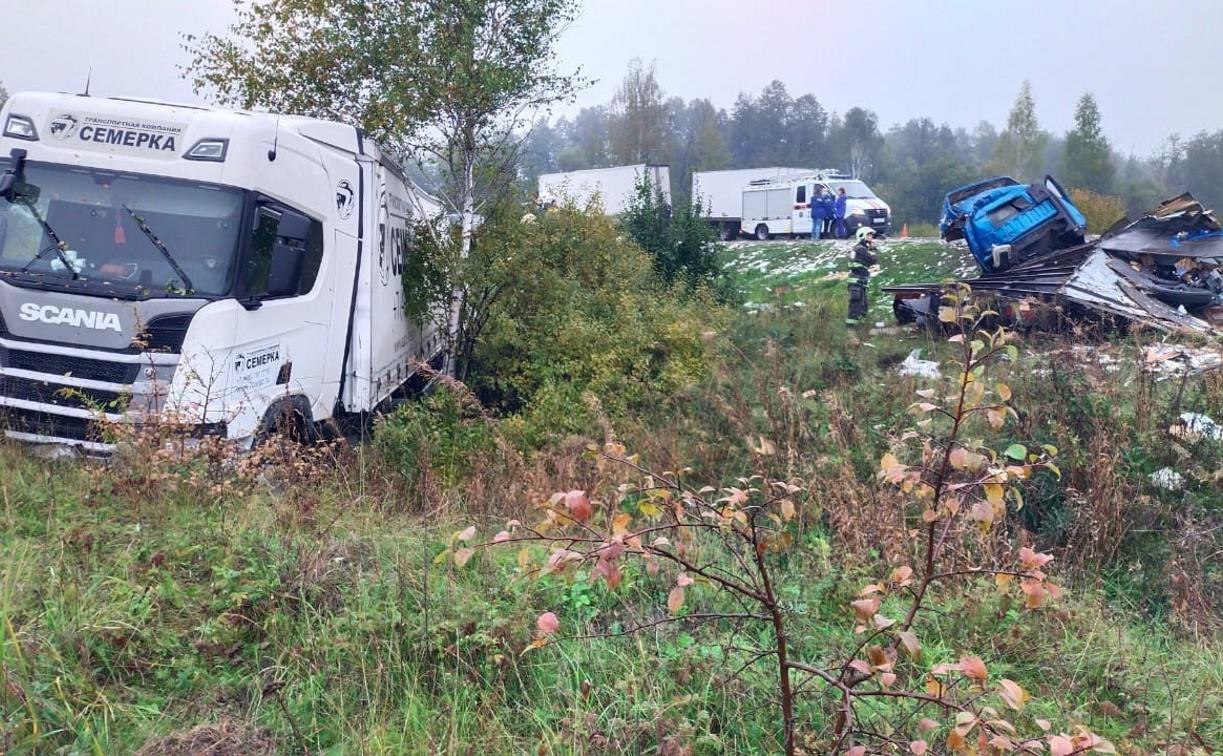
227	737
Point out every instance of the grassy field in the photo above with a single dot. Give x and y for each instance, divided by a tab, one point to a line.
315	607
794	272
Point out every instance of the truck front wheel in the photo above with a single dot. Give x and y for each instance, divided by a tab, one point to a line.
289	418
762	233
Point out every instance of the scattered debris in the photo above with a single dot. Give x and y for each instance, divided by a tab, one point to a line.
1161	270
1168	479
1196	425
1174	360
228	737
915	365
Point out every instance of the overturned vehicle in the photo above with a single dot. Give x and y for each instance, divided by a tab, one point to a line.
1035	257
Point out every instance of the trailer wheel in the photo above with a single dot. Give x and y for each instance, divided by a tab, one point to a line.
762	233
904	314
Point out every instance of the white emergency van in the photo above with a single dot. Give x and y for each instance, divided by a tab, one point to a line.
720	194
781	206
218	268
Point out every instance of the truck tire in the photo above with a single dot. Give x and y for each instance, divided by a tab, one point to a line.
903	313
762	233
289	418
727	232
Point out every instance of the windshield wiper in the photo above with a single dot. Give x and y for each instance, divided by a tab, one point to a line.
161	247
58	246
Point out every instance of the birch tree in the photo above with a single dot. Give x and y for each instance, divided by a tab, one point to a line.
451	85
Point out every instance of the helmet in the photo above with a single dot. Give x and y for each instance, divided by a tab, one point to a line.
865	232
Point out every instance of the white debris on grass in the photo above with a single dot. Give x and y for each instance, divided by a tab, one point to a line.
758	307
915	365
1095	354
777	263
1202	426
1174	360
1168	479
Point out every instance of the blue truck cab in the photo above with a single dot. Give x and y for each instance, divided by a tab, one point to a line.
1005	222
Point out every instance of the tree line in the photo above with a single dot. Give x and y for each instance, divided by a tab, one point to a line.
911	164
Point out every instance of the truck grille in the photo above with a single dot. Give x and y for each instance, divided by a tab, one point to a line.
162	335
44	424
30	390
77	367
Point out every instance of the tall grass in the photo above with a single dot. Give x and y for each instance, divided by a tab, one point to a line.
312	611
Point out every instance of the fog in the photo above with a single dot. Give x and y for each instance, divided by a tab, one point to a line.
1153	71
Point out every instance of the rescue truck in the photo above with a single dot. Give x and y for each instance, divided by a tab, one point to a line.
781	206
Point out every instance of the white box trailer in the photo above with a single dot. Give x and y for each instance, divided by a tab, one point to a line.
613	186
213	268
720	194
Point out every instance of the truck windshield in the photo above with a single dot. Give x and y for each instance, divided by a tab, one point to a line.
153	235
853	189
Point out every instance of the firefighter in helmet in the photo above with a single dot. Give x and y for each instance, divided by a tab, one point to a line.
862	257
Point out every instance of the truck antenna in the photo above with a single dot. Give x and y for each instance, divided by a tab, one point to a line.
275	141
88	78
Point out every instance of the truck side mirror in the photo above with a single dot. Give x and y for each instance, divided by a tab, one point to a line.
12	188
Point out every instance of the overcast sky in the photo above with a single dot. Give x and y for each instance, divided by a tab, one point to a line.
1154	70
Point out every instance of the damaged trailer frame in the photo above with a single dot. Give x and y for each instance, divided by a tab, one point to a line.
1156	271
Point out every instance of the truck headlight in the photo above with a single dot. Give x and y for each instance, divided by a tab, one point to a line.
20	127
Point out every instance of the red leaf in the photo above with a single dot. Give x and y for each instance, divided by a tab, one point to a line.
683	580
865	608
1035	593
1012	694
501	537
1031	560
547	623
610	571
918	747
1060	745
675	600
974	668
908	639
578	504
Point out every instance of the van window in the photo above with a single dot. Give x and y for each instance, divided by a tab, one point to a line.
802	194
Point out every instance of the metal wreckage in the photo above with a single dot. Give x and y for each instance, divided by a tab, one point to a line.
1037	262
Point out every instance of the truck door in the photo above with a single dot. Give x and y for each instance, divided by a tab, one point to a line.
802	209
285	314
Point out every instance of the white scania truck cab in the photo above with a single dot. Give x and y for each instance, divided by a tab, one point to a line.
781	206
215	268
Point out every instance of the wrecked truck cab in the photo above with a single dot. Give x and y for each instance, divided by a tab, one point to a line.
1005	222
1161	271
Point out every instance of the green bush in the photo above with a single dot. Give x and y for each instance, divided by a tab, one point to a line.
682	245
437	436
582	325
